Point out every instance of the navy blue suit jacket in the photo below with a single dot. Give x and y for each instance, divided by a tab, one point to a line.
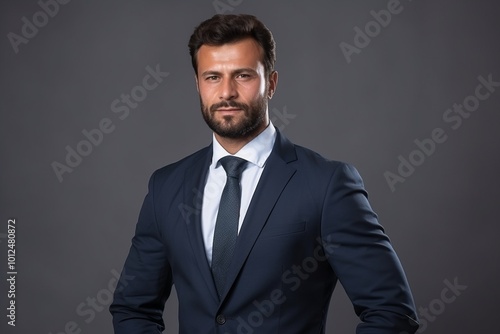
308	225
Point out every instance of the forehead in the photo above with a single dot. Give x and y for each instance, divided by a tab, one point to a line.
244	53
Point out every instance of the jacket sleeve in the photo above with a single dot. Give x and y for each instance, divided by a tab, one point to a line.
139	299
363	259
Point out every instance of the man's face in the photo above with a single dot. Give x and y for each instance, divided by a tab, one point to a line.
233	88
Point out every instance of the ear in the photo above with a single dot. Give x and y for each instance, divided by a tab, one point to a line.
273	83
197	84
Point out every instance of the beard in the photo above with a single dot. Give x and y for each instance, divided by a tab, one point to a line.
236	127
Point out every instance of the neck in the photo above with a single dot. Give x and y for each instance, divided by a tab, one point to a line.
233	145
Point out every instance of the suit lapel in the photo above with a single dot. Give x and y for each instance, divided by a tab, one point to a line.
194	184
277	173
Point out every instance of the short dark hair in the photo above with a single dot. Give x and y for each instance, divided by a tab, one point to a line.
222	29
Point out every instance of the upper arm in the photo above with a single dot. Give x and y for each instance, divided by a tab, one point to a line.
362	256
139	304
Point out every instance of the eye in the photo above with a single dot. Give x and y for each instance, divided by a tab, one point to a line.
243	76
212	78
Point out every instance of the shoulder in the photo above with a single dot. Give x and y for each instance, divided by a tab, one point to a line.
302	157
321	171
178	169
319	163
314	165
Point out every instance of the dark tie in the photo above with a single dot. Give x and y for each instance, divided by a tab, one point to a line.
226	226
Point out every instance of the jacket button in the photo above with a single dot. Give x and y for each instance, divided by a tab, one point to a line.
221	320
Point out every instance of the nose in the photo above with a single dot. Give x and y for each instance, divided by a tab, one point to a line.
228	90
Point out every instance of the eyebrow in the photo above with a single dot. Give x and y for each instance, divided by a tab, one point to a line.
237	71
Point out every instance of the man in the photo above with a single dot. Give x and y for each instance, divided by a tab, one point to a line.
253	230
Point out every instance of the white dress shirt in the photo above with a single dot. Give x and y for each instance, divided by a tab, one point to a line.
256	153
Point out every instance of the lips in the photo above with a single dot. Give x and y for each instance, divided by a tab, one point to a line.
228	109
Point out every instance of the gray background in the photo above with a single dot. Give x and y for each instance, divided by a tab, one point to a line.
71	235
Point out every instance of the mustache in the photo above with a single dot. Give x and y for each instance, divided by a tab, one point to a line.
228	104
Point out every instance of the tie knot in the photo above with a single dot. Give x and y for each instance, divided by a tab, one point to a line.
233	166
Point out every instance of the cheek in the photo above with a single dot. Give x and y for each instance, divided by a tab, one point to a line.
253	91
207	95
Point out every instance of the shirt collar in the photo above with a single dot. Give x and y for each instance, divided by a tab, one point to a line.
256	151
